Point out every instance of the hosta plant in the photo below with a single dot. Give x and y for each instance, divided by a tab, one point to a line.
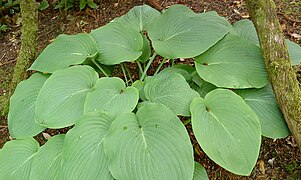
134	128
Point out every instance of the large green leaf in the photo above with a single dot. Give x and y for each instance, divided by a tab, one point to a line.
61	99
153	144
213	17
232	63
174	69
117	43
264	104
47	162
245	29
227	129
21	116
294	51
199	172
179	33
64	51
83	152
16	159
140	17
171	90
111	95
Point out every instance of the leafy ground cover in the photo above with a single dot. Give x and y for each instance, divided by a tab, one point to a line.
279	159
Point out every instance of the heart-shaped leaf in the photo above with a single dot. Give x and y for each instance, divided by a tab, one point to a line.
199	172
83	153
64	51
47	162
264	104
232	63
16	159
140	17
117	43
21	116
153	144
61	99
179	33
227	129
112	96
171	90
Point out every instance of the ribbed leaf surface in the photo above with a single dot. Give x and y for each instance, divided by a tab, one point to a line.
111	95
47	162
264	104
21	116
153	144
199	172
294	51
61	100
16	159
245	29
83	153
179	33
171	90
227	129
232	63
140	17
64	51
117	43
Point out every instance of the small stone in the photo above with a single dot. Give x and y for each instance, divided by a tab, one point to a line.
271	161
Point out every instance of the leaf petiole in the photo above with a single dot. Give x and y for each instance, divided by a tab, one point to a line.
99	67
147	66
124	74
160	65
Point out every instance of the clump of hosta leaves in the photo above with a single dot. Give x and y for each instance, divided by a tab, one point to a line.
131	130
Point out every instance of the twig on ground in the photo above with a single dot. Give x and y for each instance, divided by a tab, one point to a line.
288	18
2	56
8	62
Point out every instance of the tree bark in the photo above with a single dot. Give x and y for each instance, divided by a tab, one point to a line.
29	13
277	62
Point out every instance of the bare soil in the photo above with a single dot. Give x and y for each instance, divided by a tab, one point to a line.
279	159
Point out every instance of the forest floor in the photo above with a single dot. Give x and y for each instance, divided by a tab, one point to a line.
279	159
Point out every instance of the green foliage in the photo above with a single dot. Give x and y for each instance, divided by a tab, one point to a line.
67	4
11	5
126	130
3	28
227	129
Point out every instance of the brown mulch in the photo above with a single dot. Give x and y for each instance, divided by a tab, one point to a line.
279	159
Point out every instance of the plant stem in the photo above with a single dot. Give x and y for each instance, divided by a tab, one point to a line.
129	73
160	65
124	74
172	62
147	66
99	67
140	67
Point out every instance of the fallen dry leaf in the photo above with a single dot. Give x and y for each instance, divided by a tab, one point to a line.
46	136
261	166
